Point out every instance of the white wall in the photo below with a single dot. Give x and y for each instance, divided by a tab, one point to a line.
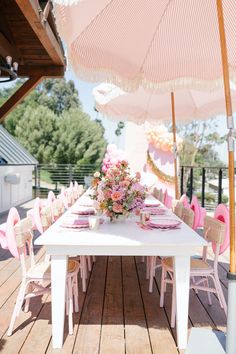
15	194
136	146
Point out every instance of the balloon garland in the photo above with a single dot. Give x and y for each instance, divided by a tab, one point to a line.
161	175
161	139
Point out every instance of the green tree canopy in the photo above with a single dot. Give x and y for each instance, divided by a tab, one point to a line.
199	142
78	139
51	125
35	132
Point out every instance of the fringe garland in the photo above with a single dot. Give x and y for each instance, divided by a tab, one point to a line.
161	175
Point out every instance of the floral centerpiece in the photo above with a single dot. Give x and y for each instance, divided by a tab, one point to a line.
117	192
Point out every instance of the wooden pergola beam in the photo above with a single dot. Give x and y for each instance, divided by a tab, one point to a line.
31	11
18	96
33	70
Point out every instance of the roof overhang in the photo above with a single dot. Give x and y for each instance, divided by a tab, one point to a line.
28	34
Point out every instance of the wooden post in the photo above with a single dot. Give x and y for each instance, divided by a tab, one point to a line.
174	145
228	104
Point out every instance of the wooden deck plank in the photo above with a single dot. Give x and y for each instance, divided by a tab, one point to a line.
112	334
161	337
69	340
39	336
5	258
22	327
88	337
136	333
14	281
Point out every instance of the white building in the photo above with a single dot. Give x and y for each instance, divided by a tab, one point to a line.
16	167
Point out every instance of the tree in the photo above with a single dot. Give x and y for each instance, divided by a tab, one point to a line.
51	125
35	132
78	139
199	141
56	94
198	148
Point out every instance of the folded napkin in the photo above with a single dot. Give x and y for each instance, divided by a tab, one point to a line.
75	223
151	204
84	212
154	211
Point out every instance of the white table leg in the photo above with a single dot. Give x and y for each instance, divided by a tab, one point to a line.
182	276
58	283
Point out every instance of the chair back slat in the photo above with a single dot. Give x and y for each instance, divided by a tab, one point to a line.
46	217
58	208
178	208
23	232
214	230
188	216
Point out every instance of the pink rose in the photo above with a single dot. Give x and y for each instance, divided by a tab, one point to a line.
116	196
117	208
138	175
107	194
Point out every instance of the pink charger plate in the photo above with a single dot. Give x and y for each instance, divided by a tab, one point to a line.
76	224
164	224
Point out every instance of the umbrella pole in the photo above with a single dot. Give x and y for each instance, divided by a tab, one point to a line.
174	145
231	315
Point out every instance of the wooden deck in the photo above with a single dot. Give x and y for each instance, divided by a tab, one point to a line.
117	314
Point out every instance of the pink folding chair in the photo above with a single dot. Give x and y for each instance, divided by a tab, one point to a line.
63	197
35	214
187	216
184	200
200	269
222	214
199	213
167	200
37	276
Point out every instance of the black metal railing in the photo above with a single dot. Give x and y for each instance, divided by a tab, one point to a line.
53	177
206	183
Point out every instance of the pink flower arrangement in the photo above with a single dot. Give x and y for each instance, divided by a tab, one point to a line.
117	192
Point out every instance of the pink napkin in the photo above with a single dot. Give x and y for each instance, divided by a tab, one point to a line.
151	205
155	211
84	212
12	220
76	224
3	239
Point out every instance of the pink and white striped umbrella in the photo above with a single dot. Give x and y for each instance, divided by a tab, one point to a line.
141	106
163	44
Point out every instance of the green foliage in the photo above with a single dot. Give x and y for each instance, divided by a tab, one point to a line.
119	128
51	125
58	95
35	132
78	140
199	141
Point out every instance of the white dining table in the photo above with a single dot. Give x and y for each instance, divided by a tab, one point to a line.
122	238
